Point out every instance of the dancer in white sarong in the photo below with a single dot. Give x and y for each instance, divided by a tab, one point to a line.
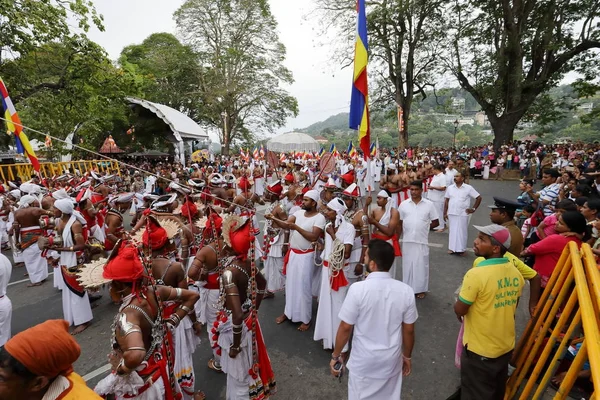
5	304
457	211
76	304
386	221
417	217
306	226
36	265
339	239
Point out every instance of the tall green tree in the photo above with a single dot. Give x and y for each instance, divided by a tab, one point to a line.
404	46
508	54
171	71
91	95
242	58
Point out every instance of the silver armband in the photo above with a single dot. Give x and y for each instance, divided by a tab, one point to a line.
127	327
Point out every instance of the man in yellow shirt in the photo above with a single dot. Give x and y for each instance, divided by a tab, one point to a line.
38	364
487	302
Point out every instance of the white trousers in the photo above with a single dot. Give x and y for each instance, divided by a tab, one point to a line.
415	266
361	388
458	233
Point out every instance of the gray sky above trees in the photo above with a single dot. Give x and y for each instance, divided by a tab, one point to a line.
322	89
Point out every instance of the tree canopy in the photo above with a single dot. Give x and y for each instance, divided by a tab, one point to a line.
242	60
508	54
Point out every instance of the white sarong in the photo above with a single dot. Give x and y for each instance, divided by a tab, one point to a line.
36	265
415	266
330	304
298	287
206	312
360	388
76	310
458	232
185	342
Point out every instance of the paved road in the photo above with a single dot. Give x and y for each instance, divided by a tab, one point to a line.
300	364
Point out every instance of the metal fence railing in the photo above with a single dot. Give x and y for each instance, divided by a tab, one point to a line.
567	314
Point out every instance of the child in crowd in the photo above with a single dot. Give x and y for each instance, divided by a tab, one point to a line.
526	230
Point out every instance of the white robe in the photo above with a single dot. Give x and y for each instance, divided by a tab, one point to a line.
273	270
5	303
76	310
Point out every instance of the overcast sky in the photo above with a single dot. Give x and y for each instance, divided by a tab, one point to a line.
322	88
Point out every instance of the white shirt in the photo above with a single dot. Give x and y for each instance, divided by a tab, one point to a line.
460	198
377	307
416	219
150	181
345	234
438	180
297	241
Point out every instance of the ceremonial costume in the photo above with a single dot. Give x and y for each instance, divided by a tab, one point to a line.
393	240
299	269
334	284
416	220
75	301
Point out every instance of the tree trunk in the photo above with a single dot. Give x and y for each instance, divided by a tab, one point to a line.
504	128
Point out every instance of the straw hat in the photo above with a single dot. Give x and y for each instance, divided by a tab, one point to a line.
90	275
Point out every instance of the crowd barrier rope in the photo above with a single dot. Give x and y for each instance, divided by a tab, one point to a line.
573	295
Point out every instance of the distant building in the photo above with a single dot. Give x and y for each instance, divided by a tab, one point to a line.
481	119
458	103
321	140
461	121
586	108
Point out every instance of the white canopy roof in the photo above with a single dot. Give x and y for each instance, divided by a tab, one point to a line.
182	126
293	141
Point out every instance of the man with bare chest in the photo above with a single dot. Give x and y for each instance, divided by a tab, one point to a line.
27	232
386	221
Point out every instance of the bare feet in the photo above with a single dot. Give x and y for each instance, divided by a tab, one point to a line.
304	327
281	319
80	328
420	295
26	274
450	252
35	284
199	396
19	265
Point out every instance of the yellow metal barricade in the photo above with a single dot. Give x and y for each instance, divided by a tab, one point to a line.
573	293
10	172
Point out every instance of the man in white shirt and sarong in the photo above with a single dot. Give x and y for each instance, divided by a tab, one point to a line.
76	304
417	217
381	312
306	226
457	211
436	193
339	239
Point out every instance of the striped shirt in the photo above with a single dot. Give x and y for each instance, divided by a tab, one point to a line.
549	194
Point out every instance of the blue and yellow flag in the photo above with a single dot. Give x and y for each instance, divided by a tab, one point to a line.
13	123
359	102
351	150
333	149
321	152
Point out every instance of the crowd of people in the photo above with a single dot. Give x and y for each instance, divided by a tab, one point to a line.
196	262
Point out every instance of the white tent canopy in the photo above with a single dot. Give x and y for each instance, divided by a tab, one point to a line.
182	127
294	141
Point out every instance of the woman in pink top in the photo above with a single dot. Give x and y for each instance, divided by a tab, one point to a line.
571	226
